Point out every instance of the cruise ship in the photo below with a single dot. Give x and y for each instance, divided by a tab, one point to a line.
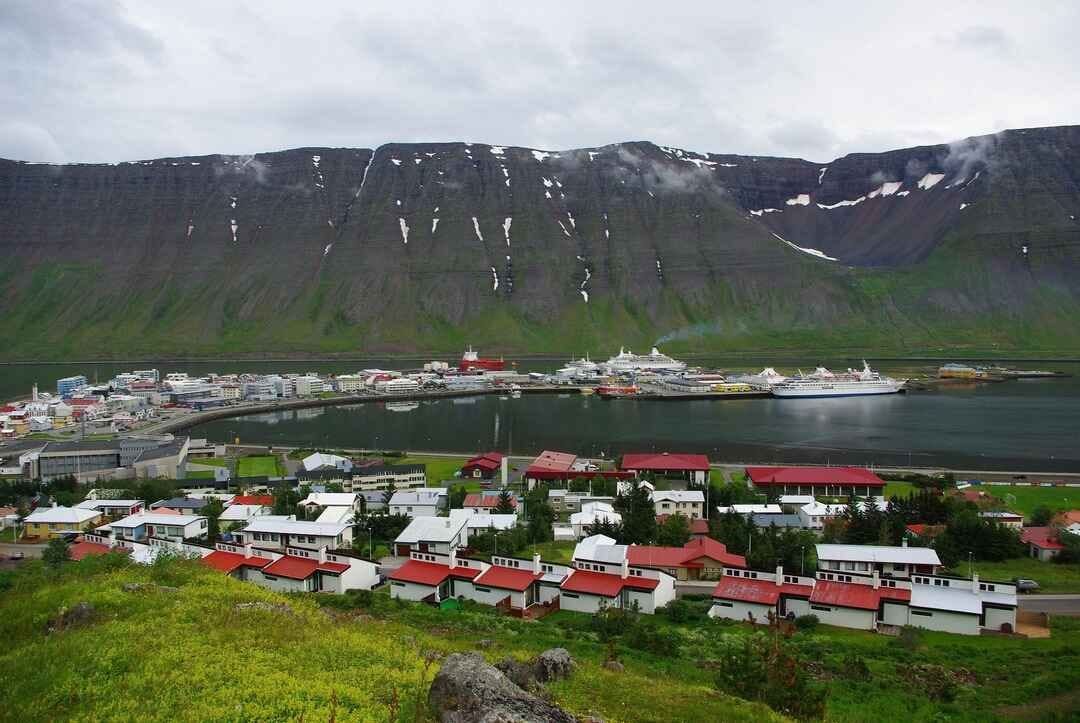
766	379
654	361
823	383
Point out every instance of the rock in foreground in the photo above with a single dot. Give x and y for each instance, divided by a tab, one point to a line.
469	690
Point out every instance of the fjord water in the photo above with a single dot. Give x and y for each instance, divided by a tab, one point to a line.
1016	425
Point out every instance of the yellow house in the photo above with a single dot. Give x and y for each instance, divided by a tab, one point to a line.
50	522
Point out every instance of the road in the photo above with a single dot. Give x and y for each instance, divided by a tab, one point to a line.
1053	604
7	548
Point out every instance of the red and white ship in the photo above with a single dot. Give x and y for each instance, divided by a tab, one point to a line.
470	360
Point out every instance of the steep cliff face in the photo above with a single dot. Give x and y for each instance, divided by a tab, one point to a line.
428	246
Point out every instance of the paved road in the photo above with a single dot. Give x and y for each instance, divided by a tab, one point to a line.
1053	604
7	548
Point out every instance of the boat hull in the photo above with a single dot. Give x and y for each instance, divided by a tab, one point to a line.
821	394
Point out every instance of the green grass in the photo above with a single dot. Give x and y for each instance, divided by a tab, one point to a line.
1026	498
898	489
262	466
199	474
555	551
1051	576
440	469
301	663
208	461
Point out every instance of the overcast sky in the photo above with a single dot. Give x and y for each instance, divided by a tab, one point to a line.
88	80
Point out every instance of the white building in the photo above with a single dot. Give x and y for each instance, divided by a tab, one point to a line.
142	526
276	532
351	500
900	562
441	535
751	509
349	383
421	502
308	385
815	514
322	460
591	514
1008	519
688	503
481	521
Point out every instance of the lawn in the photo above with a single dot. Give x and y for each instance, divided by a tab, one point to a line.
898	489
209	461
1052	577
262	466
199	474
440	469
554	551
1025	498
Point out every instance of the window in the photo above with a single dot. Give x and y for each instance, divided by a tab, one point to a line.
268	577
569	594
724	604
987	588
395	583
922	613
482	589
821	608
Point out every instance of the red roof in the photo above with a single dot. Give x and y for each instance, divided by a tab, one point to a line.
81	402
665	461
1044	537
507	578
430	573
668	557
916	529
229	561
600	583
301	568
852	595
765	592
489	500
813	476
489	461
264	500
551	463
83	549
700	526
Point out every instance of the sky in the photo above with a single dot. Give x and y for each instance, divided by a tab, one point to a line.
108	80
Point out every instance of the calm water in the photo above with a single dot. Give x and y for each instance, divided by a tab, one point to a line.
1026	424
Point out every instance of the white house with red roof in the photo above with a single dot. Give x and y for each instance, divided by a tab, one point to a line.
604	574
693	467
433	576
745	594
1043	542
702	558
482	466
688	503
819	481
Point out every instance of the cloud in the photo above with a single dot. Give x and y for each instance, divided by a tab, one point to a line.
111	81
20	140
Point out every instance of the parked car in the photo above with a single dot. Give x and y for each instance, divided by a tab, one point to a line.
1023	584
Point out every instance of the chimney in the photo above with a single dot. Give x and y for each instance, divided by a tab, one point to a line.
903	541
877	580
505	470
536	563
625	568
247	550
34	394
975	582
453	557
779	575
322	554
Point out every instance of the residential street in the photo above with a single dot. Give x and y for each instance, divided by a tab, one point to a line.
1053	604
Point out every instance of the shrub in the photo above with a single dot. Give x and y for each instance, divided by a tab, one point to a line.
765	668
648	637
806	622
909	637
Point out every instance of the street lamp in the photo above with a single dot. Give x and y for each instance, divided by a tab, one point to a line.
802	554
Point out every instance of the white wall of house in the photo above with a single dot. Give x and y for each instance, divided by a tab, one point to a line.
894	614
492	595
584	603
409	590
995	618
735	610
415	510
462	588
844	617
361	575
547	593
949	622
283	584
664	592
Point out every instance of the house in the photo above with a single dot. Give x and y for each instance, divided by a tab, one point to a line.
478	521
566	501
236	515
793	521
183	505
688	503
441	535
1043	542
168	460
1007	519
260	500
602	576
814	514
591	514
928	532
692	467
276	532
381	476
321	460
791	504
9	516
887	561
750	509
141	526
51	522
817	481
113	508
518	584
486	501
423	502
933	602
433	577
482	466
698	528
297	570
348	500
550	466
699	559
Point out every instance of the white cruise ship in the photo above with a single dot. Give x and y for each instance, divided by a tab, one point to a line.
766	379
823	383
654	361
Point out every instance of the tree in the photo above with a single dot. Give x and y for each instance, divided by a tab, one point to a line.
456	497
55	553
540	516
212	511
505	505
1041	516
1071	543
389	493
638	513
284	499
674	531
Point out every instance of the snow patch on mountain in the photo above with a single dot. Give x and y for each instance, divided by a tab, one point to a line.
811	252
803	199
930	180
404	230
476	228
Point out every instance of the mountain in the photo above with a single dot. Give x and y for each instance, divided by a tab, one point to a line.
427	247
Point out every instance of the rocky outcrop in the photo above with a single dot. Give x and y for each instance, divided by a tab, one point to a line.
469	690
82	613
430	246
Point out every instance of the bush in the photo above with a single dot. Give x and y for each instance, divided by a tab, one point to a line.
684	610
806	622
909	637
648	637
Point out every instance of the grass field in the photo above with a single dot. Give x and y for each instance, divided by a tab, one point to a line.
1024	498
898	489
554	551
209	461
1052	577
199	474
439	469
262	466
